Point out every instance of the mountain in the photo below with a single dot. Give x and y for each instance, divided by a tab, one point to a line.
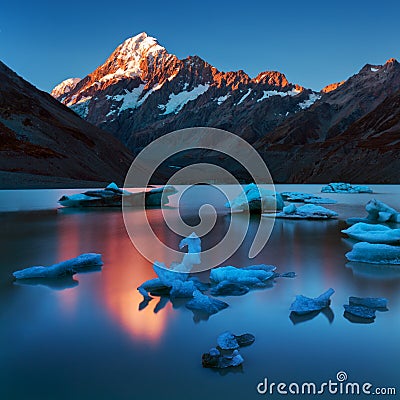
351	134
65	87
44	142
141	92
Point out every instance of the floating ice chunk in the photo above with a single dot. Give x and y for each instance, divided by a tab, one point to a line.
167	276
372	233
315	200
227	341
370	302
247	277
205	304
374	253
306	198
256	199
112	196
68	267
159	196
381	212
227	288
214	359
193	243
308	211
303	305
360	311
345	188
154	286
182	289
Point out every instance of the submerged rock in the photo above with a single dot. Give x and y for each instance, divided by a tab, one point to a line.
373	233
214	359
378	212
227	288
341	187
256	199
303	305
112	196
68	267
308	211
205	304
374	253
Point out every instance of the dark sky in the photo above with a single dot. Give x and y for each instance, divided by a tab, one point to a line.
313	42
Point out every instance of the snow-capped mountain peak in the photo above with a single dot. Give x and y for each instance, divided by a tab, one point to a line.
65	87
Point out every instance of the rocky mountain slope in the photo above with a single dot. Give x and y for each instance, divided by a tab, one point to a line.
42	138
142	92
350	134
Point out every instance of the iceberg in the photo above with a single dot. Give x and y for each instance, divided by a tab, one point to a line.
253	276
214	359
372	233
256	200
374	253
308	211
205	304
68	267
304	305
341	187
192	257
182	289
112	196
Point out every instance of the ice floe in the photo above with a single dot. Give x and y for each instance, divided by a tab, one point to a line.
374	253
308	211
341	187
304	305
373	233
62	269
256	199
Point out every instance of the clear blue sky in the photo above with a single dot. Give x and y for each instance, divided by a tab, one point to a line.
313	42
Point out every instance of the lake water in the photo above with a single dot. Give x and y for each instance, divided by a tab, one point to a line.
85	338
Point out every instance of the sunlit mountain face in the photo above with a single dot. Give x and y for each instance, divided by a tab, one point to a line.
142	92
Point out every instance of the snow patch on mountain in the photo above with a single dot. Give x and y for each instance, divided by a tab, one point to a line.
221	99
177	101
374	69
269	93
312	98
245	97
82	106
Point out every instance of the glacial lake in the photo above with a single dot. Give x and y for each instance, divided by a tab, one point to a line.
85	338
